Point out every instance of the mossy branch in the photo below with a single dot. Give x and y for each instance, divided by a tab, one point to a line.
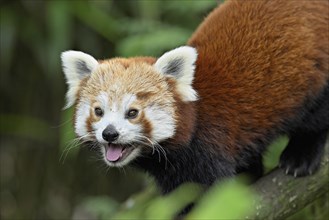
282	195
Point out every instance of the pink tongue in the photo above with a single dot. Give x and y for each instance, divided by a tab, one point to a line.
113	152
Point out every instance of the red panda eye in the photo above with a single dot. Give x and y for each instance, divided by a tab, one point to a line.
99	112
132	113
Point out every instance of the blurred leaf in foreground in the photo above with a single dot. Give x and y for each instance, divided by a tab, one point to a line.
272	156
95	208
153	206
226	200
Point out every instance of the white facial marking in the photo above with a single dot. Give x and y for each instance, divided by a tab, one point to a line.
103	99
83	110
99	126
162	121
114	114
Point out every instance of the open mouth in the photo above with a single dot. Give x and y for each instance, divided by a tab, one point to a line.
117	152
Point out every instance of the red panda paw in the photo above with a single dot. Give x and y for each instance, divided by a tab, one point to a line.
303	154
298	169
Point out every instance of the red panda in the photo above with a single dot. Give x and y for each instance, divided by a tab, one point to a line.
253	70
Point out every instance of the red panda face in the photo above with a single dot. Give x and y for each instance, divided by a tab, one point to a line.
127	106
125	109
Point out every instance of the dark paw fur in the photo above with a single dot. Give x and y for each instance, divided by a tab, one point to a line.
298	166
303	154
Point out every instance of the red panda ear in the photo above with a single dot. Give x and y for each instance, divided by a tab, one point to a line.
76	66
180	64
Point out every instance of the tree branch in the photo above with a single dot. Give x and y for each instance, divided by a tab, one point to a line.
283	195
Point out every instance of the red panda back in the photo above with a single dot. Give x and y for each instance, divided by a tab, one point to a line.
258	62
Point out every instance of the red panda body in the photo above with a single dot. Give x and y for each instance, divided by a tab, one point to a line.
261	70
258	63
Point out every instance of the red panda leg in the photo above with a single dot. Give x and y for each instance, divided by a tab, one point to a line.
303	154
254	168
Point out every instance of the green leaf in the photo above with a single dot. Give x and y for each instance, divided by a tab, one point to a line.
149	205
227	200
25	127
272	156
167	207
185	6
153	43
67	145
59	24
8	36
97	19
100	206
134	207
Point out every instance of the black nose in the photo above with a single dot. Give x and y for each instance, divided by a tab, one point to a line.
110	134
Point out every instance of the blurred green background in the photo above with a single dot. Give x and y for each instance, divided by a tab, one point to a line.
44	175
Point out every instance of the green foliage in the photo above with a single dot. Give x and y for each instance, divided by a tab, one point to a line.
227	200
160	207
97	207
152	44
20	126
272	156
97	19
67	142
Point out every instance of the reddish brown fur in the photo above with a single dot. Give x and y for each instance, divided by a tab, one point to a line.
146	125
256	66
185	116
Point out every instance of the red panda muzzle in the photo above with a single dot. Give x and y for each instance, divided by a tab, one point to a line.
114	152
117	152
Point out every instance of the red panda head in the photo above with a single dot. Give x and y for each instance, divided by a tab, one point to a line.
128	105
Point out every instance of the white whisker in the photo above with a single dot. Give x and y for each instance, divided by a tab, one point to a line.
76	142
156	147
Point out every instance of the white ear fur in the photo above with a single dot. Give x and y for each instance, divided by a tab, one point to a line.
76	66
180	64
